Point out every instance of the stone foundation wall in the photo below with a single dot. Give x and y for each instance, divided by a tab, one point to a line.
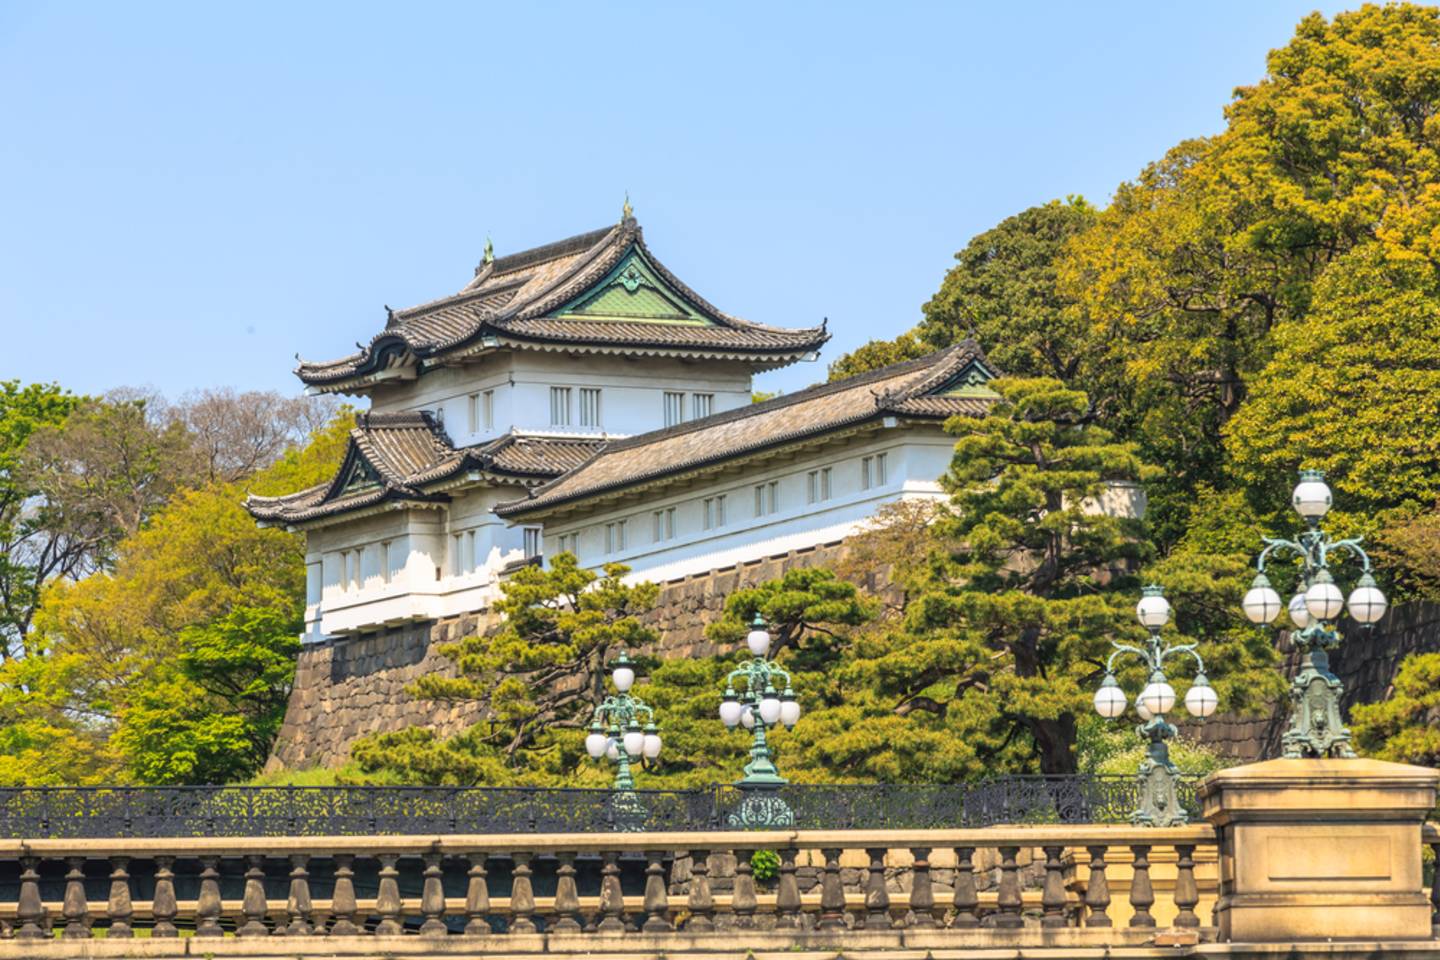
1366	663
348	688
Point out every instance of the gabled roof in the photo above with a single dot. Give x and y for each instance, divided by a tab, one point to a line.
396	456
936	387
601	290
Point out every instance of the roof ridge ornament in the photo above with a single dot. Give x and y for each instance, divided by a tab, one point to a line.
627	212
489	255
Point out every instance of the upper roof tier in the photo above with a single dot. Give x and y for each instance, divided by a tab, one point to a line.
601	291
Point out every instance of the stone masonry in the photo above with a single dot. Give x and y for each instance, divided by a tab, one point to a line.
351	687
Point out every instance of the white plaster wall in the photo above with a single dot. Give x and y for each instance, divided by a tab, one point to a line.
424	580
916	458
632	391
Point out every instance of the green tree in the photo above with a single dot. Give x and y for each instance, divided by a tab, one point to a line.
537	678
877	354
1405	728
1353	388
1012	608
32	550
1003	293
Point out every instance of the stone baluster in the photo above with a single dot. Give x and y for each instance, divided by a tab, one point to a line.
207	905
254	905
657	900
832	893
702	902
1052	897
119	910
1187	893
75	908
612	900
432	898
477	897
922	891
787	894
1142	891
877	898
299	906
742	899
342	899
1097	890
1007	900
567	897
29	908
967	899
522	895
387	898
162	905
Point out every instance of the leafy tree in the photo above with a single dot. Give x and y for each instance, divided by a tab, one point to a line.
31	550
189	638
1406	727
803	604
1012	608
877	354
1353	388
539	674
1002	292
212	716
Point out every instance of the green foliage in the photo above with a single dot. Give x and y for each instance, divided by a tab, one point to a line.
537	678
174	666
765	865
1116	748
1002	292
30	554
1406	727
212	715
877	354
1353	389
805	603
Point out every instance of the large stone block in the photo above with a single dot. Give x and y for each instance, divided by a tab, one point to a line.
1320	849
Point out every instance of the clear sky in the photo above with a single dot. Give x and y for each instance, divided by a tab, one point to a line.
192	193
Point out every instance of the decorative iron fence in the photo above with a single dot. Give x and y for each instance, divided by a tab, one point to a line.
80	812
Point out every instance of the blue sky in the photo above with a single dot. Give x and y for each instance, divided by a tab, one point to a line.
192	193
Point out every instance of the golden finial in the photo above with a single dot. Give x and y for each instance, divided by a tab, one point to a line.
627	212
489	251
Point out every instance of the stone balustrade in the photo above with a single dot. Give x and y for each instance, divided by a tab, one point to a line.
517	893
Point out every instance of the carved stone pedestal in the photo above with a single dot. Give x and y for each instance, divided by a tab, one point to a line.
1317	849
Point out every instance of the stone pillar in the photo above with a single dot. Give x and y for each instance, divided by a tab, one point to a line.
1320	849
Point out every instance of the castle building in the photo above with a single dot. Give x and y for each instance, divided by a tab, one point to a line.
543	359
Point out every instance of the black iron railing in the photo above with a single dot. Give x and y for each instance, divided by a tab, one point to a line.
76	812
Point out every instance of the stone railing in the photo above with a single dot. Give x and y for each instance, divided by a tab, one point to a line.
1046	886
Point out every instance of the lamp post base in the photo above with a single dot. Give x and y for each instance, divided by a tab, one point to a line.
761	807
1316	728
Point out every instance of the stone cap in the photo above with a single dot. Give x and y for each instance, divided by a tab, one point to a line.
1325	789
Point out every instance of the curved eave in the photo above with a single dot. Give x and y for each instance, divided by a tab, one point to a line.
595	497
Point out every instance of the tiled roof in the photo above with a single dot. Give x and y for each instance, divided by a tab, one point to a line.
515	298
393	456
920	389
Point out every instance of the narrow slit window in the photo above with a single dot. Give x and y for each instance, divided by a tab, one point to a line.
559	406
674	408
589	407
532	542
701	405
487	410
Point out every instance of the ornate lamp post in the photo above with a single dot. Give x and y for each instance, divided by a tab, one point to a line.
615	729
1316	728
767	700
1157	777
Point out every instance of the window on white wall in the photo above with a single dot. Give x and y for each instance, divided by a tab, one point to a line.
532	542
562	543
472	406
487	410
824	483
615	536
714	512
817	485
385	561
701	405
589	406
872	471
344	569
457	561
767	498
674	408
471	561
664	521
559	406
